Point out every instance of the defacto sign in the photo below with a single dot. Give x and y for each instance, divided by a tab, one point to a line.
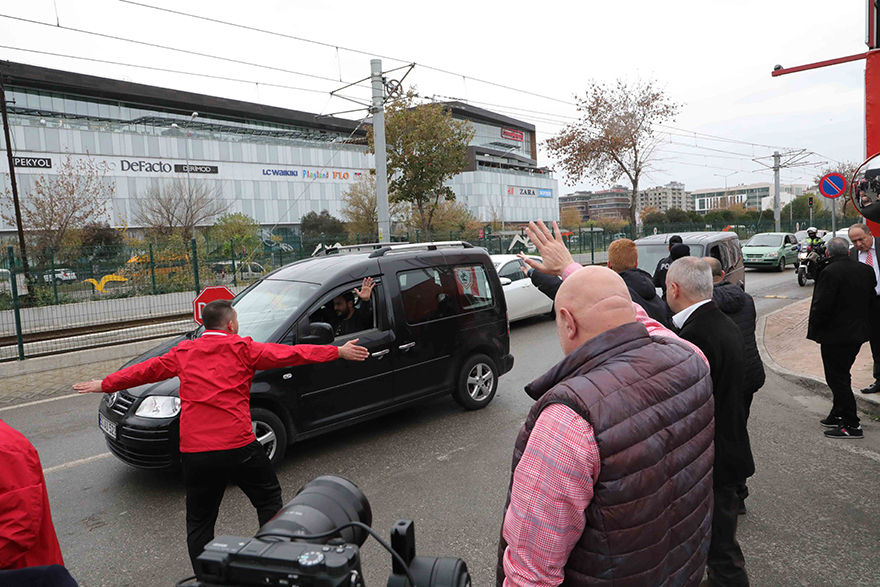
196	169
145	166
38	162
514	135
534	192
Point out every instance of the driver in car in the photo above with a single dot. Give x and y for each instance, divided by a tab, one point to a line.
354	319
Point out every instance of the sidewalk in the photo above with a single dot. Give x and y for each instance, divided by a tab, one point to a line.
782	341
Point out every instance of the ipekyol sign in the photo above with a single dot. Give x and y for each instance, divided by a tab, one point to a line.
38	162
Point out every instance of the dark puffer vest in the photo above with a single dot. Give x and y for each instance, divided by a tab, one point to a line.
649	401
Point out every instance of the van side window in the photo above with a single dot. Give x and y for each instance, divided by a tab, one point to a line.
424	294
346	312
472	283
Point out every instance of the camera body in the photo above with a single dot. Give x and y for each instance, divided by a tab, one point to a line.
236	560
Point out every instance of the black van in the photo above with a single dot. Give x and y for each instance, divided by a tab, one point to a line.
439	326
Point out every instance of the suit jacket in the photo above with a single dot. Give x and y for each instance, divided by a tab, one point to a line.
841	306
721	341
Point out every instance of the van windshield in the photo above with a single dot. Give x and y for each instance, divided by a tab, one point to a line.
262	309
650	255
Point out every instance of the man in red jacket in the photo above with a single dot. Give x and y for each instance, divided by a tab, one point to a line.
217	442
27	536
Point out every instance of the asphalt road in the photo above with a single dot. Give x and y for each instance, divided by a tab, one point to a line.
814	514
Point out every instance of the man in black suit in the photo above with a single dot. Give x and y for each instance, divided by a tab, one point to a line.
864	250
840	321
689	294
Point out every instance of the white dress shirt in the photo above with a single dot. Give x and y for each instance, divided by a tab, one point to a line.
680	318
863	258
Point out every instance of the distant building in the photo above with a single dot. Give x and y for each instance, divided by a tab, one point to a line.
755	196
610	203
579	201
664	197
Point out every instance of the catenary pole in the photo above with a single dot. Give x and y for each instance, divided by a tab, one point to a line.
777	211
378	112
16	205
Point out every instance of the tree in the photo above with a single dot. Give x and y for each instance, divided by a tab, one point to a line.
695	216
656	218
314	224
361	210
800	207
615	134
571	218
178	207
58	205
677	215
100	241
453	216
425	147
237	229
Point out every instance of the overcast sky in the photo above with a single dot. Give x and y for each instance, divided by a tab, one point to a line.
714	57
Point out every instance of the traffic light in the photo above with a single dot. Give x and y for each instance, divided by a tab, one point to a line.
811	201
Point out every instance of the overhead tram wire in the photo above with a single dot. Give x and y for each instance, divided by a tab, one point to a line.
166	48
165	70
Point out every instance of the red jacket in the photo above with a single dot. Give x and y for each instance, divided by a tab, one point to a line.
215	374
27	537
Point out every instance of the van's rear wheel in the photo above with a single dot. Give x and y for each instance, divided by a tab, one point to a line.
477	383
270	432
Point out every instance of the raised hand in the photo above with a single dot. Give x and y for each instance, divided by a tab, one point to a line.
93	386
351	352
366	289
551	248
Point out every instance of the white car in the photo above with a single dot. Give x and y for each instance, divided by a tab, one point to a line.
523	299
63	275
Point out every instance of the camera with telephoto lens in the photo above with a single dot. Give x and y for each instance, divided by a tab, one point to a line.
314	541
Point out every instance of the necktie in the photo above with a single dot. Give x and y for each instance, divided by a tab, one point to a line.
870	259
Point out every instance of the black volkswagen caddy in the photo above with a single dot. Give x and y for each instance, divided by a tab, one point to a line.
439	326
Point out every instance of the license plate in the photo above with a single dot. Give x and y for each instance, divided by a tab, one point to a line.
107	426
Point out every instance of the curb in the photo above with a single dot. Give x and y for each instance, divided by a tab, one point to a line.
818	386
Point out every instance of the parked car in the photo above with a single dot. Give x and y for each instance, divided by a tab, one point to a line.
439	328
244	269
61	276
771	249
724	246
523	299
842	233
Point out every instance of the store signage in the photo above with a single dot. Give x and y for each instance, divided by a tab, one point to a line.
40	162
518	191
196	169
306	174
147	166
514	135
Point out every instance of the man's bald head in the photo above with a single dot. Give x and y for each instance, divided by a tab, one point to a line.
715	266
592	301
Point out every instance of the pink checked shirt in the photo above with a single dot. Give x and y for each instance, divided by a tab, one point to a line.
553	485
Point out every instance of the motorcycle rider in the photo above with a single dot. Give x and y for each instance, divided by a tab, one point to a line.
817	245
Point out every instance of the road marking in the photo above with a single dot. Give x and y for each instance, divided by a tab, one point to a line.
42	401
860	451
76	463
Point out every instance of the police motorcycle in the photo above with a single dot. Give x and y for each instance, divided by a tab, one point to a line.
809	256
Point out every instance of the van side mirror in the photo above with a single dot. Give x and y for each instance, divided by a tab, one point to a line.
319	333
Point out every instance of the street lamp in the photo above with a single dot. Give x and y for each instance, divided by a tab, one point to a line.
725	183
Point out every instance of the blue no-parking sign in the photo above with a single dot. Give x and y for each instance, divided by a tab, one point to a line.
832	185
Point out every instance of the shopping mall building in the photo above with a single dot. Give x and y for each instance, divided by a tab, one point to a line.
270	163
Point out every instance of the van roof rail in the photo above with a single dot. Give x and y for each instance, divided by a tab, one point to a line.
406	247
323	249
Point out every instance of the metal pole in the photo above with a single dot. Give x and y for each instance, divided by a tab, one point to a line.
19	225
54	281
196	266
15	305
834	216
777	212
378	112
152	269
232	254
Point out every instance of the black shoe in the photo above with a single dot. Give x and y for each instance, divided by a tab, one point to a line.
831	421
845	432
873	388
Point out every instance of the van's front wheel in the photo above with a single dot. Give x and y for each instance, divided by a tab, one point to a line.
477	383
270	433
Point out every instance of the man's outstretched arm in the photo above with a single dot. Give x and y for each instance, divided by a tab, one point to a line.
150	371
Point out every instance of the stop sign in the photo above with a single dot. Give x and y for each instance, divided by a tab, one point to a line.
209	294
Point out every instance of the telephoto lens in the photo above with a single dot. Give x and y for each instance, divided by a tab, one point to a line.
321	505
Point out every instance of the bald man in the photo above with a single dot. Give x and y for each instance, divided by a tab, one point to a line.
612	468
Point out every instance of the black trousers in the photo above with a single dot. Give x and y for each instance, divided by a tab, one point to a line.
726	565
207	474
875	336
838	361
45	576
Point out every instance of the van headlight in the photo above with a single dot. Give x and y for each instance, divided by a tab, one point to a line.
159	406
